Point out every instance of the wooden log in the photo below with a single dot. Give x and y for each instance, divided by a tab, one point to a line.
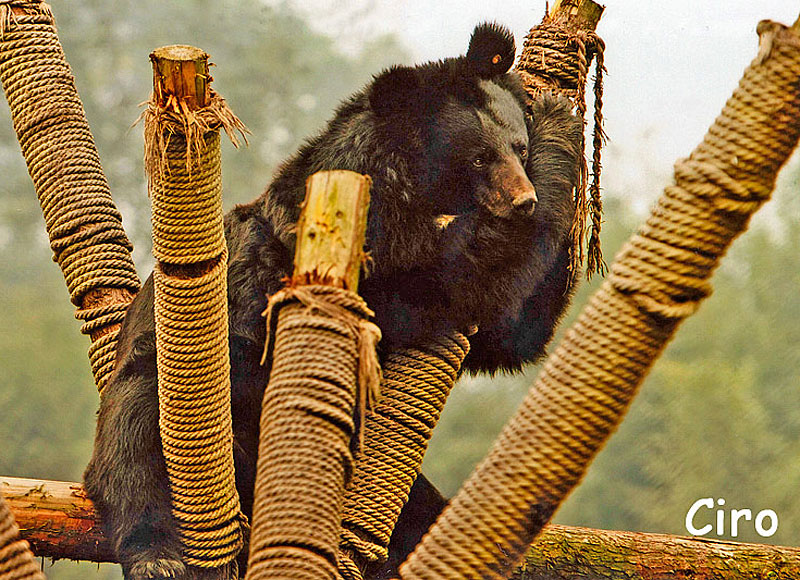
331	230
60	522
57	519
563	553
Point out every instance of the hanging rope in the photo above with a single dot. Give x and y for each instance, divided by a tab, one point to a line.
84	226
416	383
16	559
557	57
324	366
659	278
182	158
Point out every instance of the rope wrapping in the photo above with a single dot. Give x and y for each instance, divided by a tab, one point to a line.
191	315
16	559
323	366
659	278
416	384
84	226
555	57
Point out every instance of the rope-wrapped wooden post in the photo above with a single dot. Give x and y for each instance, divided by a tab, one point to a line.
16	559
323	368
182	157
660	277
84	226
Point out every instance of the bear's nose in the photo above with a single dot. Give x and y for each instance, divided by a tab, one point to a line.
525	202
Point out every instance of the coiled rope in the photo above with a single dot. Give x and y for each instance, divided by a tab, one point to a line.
16	559
324	366
557	57
84	226
182	158
659	278
416	384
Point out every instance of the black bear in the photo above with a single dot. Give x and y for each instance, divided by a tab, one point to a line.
469	225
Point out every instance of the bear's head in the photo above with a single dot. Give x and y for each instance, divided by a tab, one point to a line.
463	121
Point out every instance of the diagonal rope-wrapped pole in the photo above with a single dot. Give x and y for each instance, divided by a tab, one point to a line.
84	226
660	277
182	159
415	387
16	559
324	367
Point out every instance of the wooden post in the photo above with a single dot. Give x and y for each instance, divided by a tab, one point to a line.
83	225
182	150
331	230
323	370
583	14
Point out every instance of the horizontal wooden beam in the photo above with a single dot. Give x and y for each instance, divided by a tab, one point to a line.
565	553
59	521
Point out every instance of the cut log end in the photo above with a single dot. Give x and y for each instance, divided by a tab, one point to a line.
580	14
180	77
179	52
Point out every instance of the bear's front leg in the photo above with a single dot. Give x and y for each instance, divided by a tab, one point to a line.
127	477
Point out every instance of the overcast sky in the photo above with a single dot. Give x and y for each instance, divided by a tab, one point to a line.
671	64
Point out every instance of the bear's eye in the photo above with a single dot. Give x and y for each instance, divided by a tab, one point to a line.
479	163
522	151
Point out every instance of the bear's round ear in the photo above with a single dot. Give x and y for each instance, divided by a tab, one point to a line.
395	91
491	50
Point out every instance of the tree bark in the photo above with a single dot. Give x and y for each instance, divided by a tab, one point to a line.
563	553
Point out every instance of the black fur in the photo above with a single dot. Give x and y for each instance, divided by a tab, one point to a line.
442	138
491	50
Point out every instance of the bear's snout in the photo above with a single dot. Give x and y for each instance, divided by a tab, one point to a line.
518	188
525	202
